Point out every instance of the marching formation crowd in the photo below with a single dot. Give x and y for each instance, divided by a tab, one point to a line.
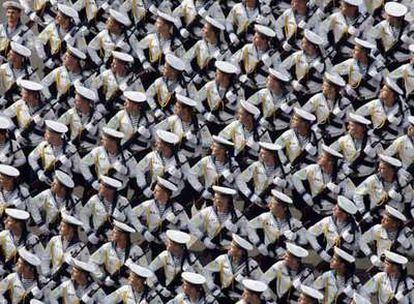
201	151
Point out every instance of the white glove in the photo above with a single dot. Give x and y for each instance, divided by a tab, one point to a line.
209	116
287	168
286	46
263	249
333	187
93	239
95	185
184	33
296	283
50	63
336	111
202	12
105	6
148	192
394	195
404	241
279	182
406	39
367	217
44	229
197	79
159	114
146	65
37	119
243	78
347	170
353	31
325	256
2	271
234	39
254	199
128	262
375	261
231	96
310	148
302	24
349	291
165	293
227	175
109	282
308	199
369	150
230	226
42	177
65	161
171	218
285	107
267	60
174	171
208	243
318	66
206	194
144	132
68	38
392	119
350	91
67	257
289	235
86	299
399	296
148	236
190	136
262	20
120	167
297	86
3	158
36	292
153	9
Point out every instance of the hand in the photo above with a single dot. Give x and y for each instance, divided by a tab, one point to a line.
153	9
159	114
243	78
296	283
208	243
404	241
50	63
120	167
302	24
392	119
286	46
230	226
333	187
325	256
148	192
279	182
297	86
37	119
260	19
353	31
109	282
350	91
86	299
67	257
42	177
255	199
234	39
184	33
95	185
3	158
319	66
65	161
128	262
375	261
93	239
289	235
174	171
263	249
209	116
399	296
190	136
367	217
202	12
231	96
146	65
394	195
336	111
206	195
2	271
144	132
311	149
197	79
36	292
308	199
165	292
349	291
149	237
171	218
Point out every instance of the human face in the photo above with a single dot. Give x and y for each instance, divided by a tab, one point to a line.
222	79
131	107
6	182
160	194
105	190
387	95
234	250
218	150
299	5
348	9
69	61
14	58
336	263
339	213
388	222
169	72
161	146
77	275
109	143
62	20
136	281
118	235
57	187
162	26
64	229
113	26
189	289
221	202
328	89
277	208
251	3
274	84
291	261
82	104
118	66
53	138
359	53
13	15
250	297
355	129
21	266
208	30
308	47
266	155
259	41
304	299
386	171
297	122
411	130
325	160
244	116
11	223
30	97
391	268
174	248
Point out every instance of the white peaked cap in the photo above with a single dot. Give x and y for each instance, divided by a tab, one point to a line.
264	30
331	151
20	49
86	92
389	82
70	219
224	190
123	227
304	114
359	119
111	182
269	146
279	75
226	67
364	43
30	85
354	2
9	171
312	292
4	123
120	17
29	257
56	126
411	48
335	78
344	255
215	23
395	257
17	214
68	11
281	196
395	9
84	266
347	205
175	62
296	250
222	141
390	160
76	52
166	184
254	285
242	243
112	133
166	17
193	278
168	137
65	179
140	271
135	96
358	299
178	237
250	108
395	213
123	56
12	4
186	100
313	37
410	120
